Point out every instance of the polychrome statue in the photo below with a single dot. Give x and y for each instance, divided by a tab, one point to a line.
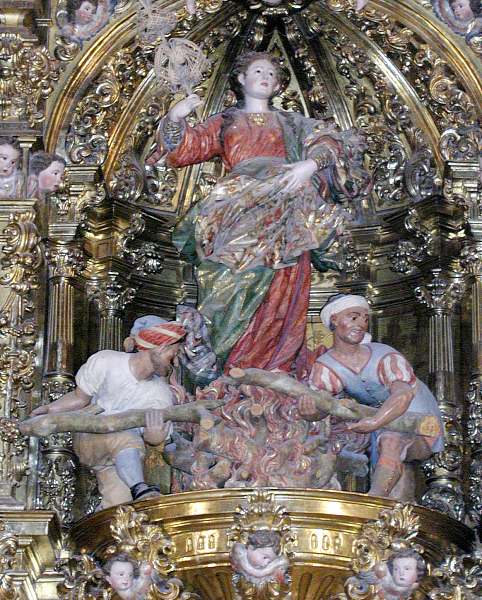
376	375
11	177
116	382
251	236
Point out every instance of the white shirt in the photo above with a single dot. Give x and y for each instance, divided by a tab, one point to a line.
107	377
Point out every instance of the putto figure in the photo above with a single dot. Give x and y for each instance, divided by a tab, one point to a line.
127	578
375	375
463	17
251	237
11	178
85	18
45	172
259	560
116	382
396	578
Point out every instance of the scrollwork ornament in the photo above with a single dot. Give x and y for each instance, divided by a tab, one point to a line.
407	254
161	185
474	437
28	75
146	258
95	115
461	144
459	577
127	181
9	545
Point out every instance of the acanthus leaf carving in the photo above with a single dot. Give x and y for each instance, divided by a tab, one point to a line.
407	254
146	258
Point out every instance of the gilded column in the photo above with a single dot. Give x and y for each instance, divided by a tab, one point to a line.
444	470
57	470
110	296
471	261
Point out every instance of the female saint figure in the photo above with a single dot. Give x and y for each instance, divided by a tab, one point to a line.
251	237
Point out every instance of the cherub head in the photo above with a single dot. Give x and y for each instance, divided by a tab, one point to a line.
9	156
46	171
465	10
407	568
120	571
255	74
262	548
81	12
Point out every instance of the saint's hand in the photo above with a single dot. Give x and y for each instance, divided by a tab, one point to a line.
297	174
155	431
363	426
184	108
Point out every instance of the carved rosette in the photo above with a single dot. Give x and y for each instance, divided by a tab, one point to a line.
444	470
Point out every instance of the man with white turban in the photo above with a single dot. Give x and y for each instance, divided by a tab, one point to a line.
117	382
379	376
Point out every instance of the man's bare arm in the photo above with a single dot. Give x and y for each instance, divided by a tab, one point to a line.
74	400
401	394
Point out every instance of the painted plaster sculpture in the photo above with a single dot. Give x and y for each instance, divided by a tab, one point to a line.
11	177
116	382
376	375
251	236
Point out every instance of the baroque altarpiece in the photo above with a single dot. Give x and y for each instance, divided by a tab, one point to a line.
86	249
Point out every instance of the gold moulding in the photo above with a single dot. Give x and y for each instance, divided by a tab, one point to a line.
325	524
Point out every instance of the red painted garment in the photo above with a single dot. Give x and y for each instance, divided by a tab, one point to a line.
242	140
277	329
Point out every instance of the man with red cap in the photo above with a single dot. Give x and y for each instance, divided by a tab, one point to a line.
117	382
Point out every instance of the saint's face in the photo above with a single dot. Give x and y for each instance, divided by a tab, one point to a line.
121	576
462	10
351	324
405	571
162	358
8	160
260	80
49	179
85	13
